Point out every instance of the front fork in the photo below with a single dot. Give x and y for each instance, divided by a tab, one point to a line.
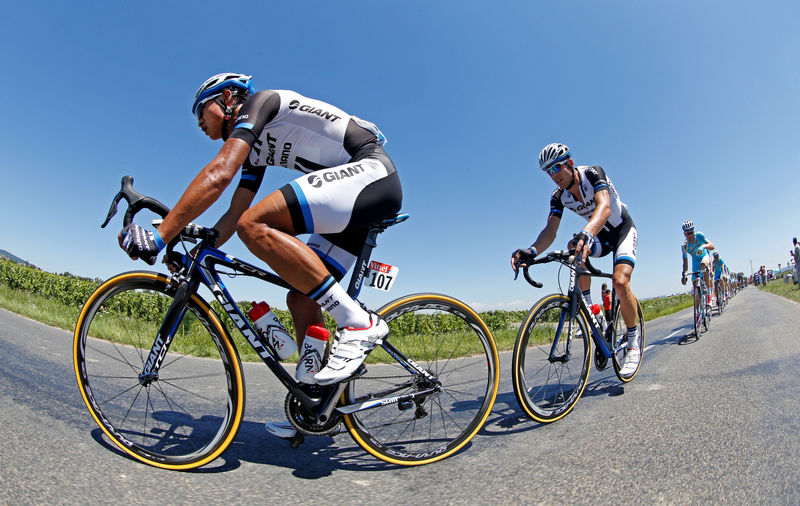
173	318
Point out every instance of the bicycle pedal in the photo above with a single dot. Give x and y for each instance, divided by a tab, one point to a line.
296	440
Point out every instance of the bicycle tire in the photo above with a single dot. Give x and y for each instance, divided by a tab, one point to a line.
547	390
620	329
176	421
697	313
450	341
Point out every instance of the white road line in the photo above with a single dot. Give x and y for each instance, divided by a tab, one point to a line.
664	339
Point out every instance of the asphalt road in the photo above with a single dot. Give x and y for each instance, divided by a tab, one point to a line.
713	420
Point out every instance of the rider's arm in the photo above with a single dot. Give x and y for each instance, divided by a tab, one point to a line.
206	188
684	254
548	234
240	202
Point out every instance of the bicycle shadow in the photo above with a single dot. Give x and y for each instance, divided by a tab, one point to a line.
511	419
317	457
689	338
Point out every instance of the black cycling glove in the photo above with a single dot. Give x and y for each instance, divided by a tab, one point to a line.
140	243
526	256
588	240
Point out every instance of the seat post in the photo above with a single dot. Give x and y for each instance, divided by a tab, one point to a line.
357	279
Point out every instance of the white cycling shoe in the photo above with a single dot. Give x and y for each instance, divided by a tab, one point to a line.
350	349
281	429
631	362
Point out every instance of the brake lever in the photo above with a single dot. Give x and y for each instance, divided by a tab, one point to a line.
112	211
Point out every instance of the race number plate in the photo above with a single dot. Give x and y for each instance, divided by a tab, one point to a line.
381	276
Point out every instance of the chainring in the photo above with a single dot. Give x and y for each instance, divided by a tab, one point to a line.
305	422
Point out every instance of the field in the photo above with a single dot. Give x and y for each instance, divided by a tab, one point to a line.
787	290
57	299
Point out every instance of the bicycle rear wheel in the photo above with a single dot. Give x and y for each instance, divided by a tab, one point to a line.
191	412
550	369
447	339
620	345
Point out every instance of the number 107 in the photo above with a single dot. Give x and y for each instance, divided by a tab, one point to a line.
380	281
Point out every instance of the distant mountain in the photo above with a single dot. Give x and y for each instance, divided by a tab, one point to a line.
13	258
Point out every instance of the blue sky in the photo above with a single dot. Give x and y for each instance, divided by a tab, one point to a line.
691	107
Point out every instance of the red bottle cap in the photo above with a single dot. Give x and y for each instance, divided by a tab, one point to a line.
258	310
317	332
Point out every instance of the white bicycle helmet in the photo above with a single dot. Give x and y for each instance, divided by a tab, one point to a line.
241	84
687	226
552	154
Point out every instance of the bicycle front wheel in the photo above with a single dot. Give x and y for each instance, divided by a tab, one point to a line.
452	397
190	412
552	357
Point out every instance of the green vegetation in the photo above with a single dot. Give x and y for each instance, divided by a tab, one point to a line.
56	299
662	306
778	287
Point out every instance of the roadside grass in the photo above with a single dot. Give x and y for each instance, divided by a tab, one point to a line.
39	308
504	329
663	306
779	287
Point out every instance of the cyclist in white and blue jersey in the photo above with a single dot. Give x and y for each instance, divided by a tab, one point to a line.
348	184
698	247
588	191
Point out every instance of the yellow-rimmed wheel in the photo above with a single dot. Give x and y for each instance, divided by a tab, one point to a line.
552	358
421	417
185	415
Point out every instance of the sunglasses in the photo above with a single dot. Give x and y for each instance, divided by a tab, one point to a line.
202	106
555	169
199	111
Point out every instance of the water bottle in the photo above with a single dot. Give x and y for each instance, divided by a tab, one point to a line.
271	328
314	346
597	311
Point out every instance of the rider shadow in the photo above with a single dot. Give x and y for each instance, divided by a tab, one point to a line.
317	457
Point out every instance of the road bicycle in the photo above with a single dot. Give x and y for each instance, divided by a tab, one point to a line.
702	309
553	351
420	397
